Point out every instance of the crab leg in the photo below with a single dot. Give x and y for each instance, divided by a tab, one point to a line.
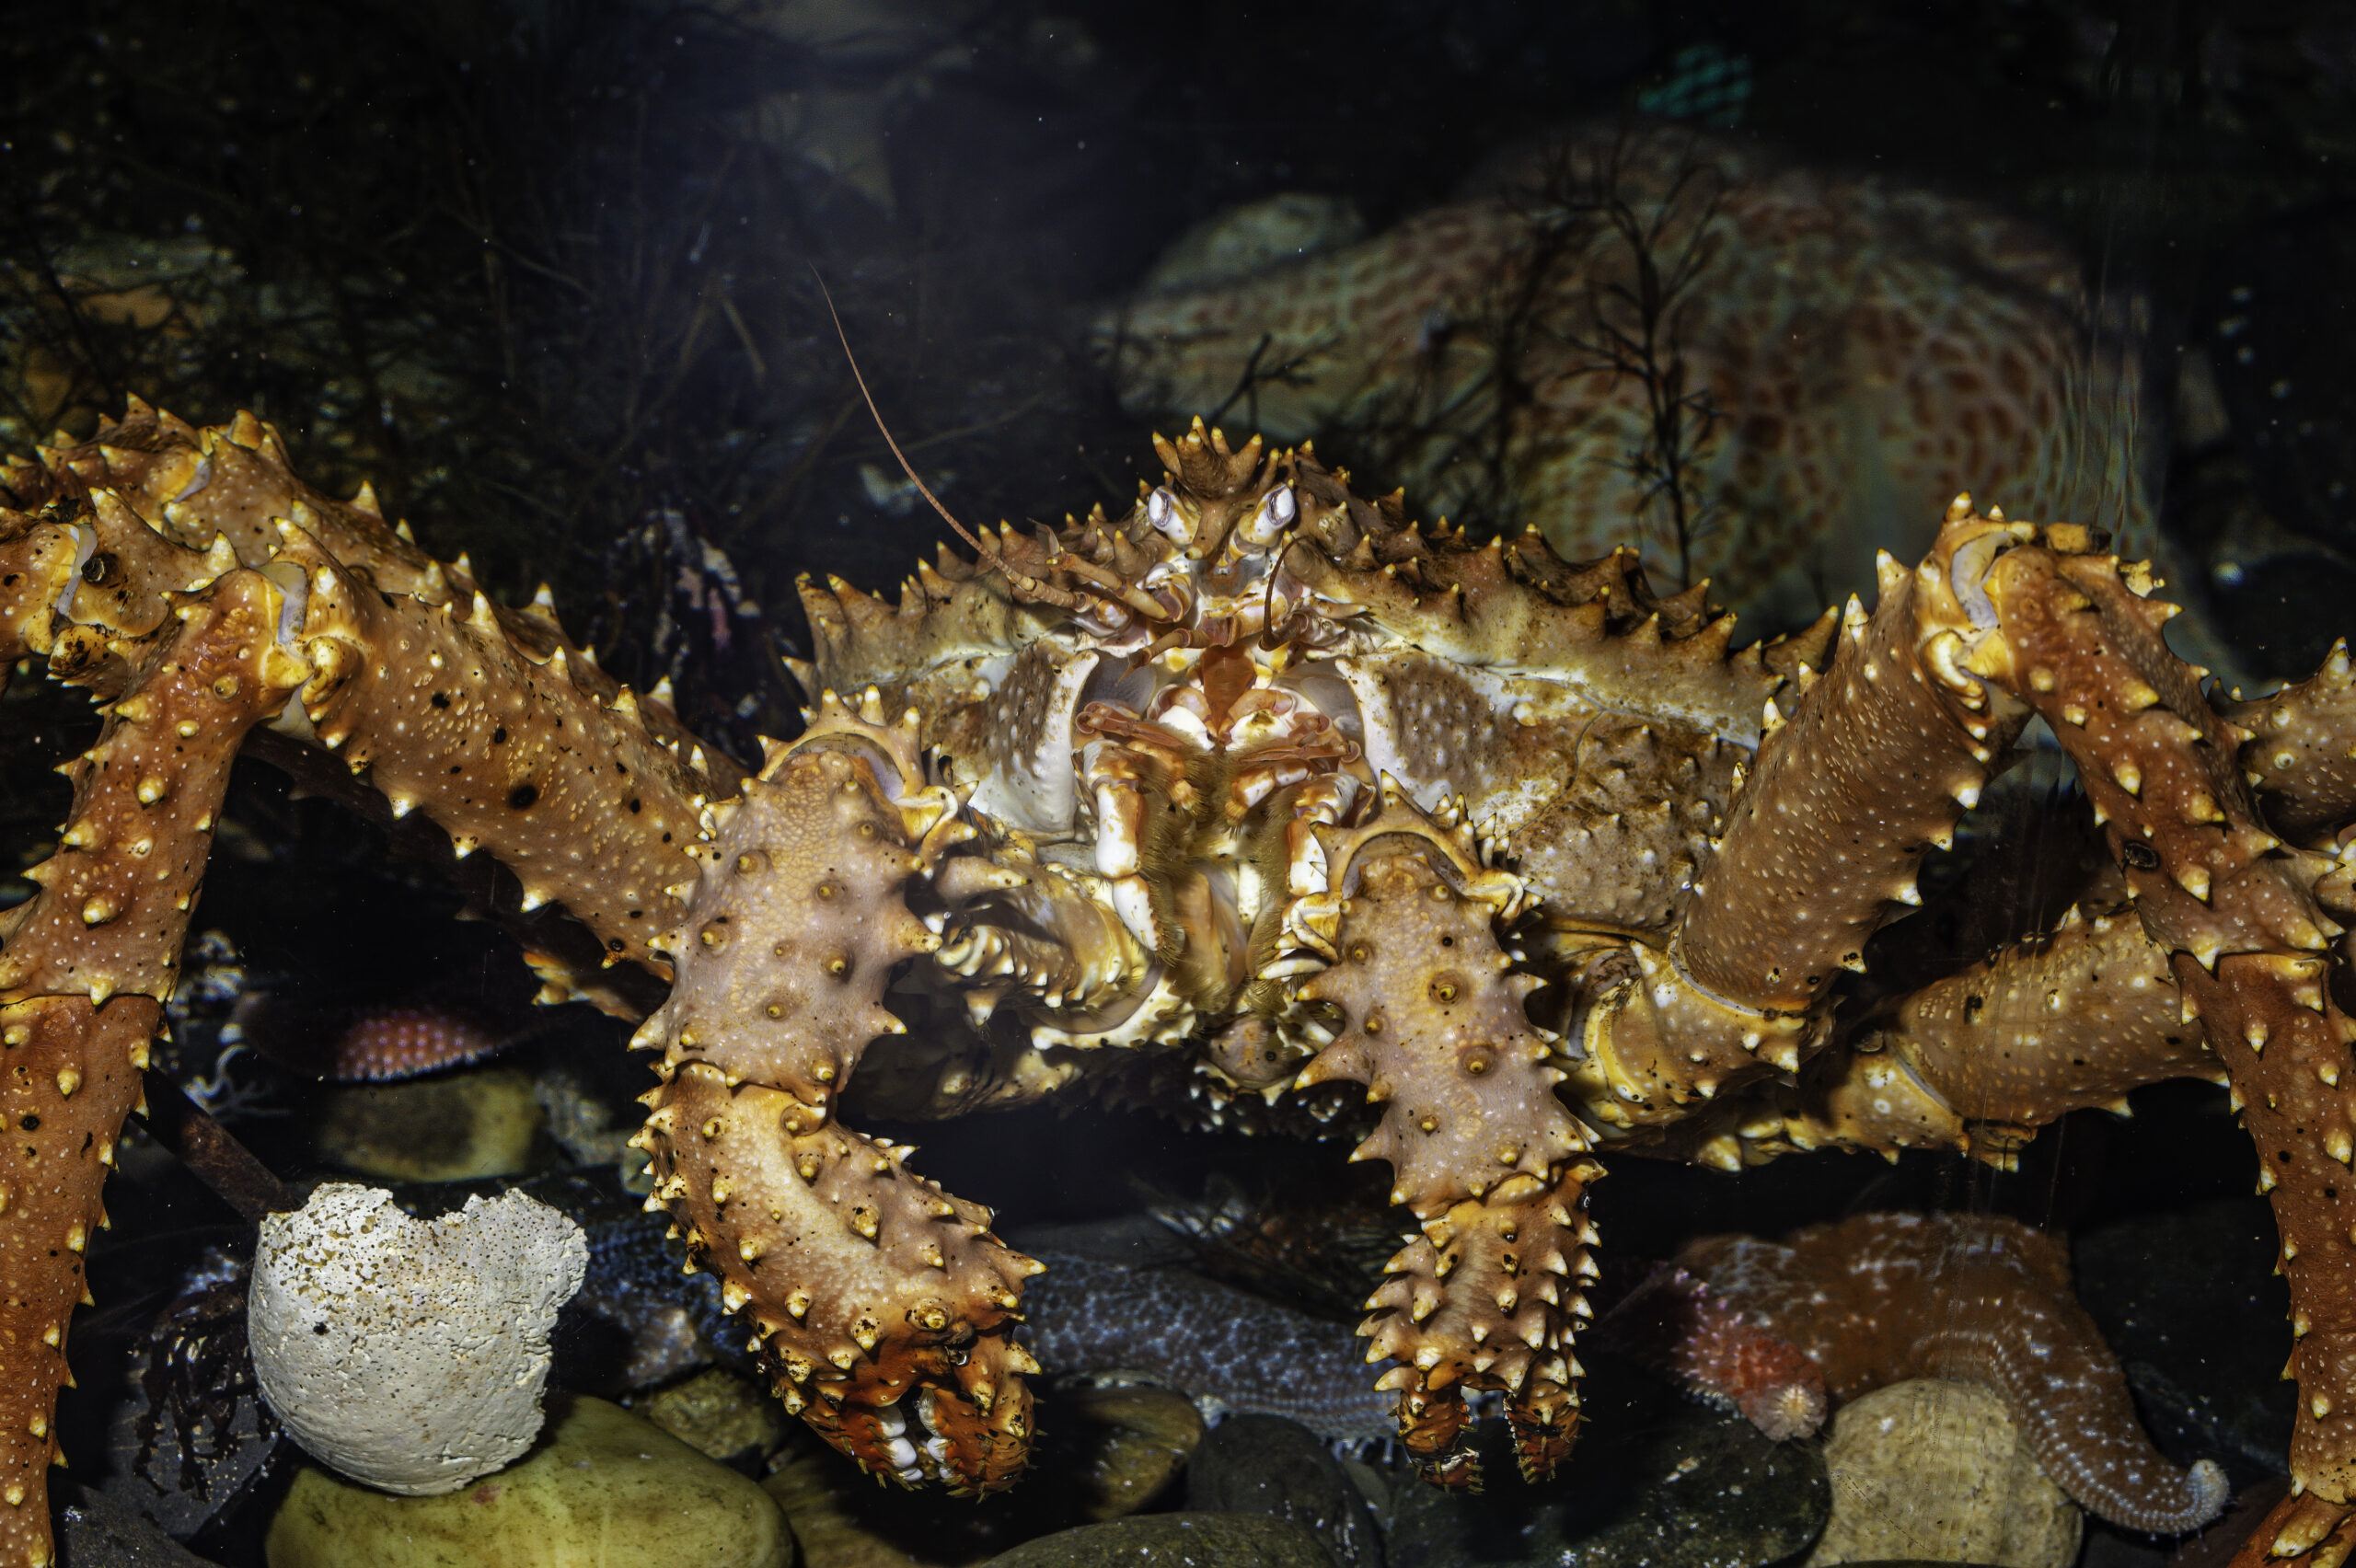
84	967
491	725
451	715
2003	619
863	1282
2298	756
1485	1156
36	565
1873	768
448	715
2071	637
1977	1060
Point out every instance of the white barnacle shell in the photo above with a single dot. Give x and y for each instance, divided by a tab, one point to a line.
409	1354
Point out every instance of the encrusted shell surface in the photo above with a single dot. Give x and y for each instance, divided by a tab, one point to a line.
411	1353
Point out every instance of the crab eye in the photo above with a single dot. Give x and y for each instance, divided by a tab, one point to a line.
1161	511
1275	515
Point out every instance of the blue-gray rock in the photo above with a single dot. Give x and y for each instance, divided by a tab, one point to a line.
1265	1464
1654	1482
1174	1541
105	1532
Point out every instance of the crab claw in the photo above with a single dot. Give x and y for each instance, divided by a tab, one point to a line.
1543	1418
981	1417
1544	1421
1488	1298
1432	1423
961	1416
874	1436
864	1283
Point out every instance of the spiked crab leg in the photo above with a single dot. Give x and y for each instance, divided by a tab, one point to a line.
864	1283
2001	620
1978	1060
2072	638
1486	1159
85	965
491	725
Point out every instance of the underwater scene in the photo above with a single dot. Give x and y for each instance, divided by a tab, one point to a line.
1054	783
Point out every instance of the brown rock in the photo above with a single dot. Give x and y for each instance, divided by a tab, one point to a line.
720	1415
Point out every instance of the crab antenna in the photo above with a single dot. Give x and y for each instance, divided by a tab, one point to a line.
1026	584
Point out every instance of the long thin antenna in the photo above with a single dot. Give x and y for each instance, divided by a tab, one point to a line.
1022	583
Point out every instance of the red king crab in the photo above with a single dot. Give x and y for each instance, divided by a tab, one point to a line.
1258	776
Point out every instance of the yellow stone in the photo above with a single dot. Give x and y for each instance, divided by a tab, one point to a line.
1936	1471
472	1124
1133	1438
720	1415
603	1487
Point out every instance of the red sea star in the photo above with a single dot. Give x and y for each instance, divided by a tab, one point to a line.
1883	1297
1675	1324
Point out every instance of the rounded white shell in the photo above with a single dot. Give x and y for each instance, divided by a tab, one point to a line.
410	1354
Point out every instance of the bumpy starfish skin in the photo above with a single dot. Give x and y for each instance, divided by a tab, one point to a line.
1867	350
1258	779
1883	1297
1675	1324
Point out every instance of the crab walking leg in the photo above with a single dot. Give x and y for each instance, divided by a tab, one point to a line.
1485	1155
232	481
863	1282
2210	883
153	505
2068	634
59	1146
36	566
1875	765
2072	1018
448	714
84	967
2298	756
1980	1059
502	732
